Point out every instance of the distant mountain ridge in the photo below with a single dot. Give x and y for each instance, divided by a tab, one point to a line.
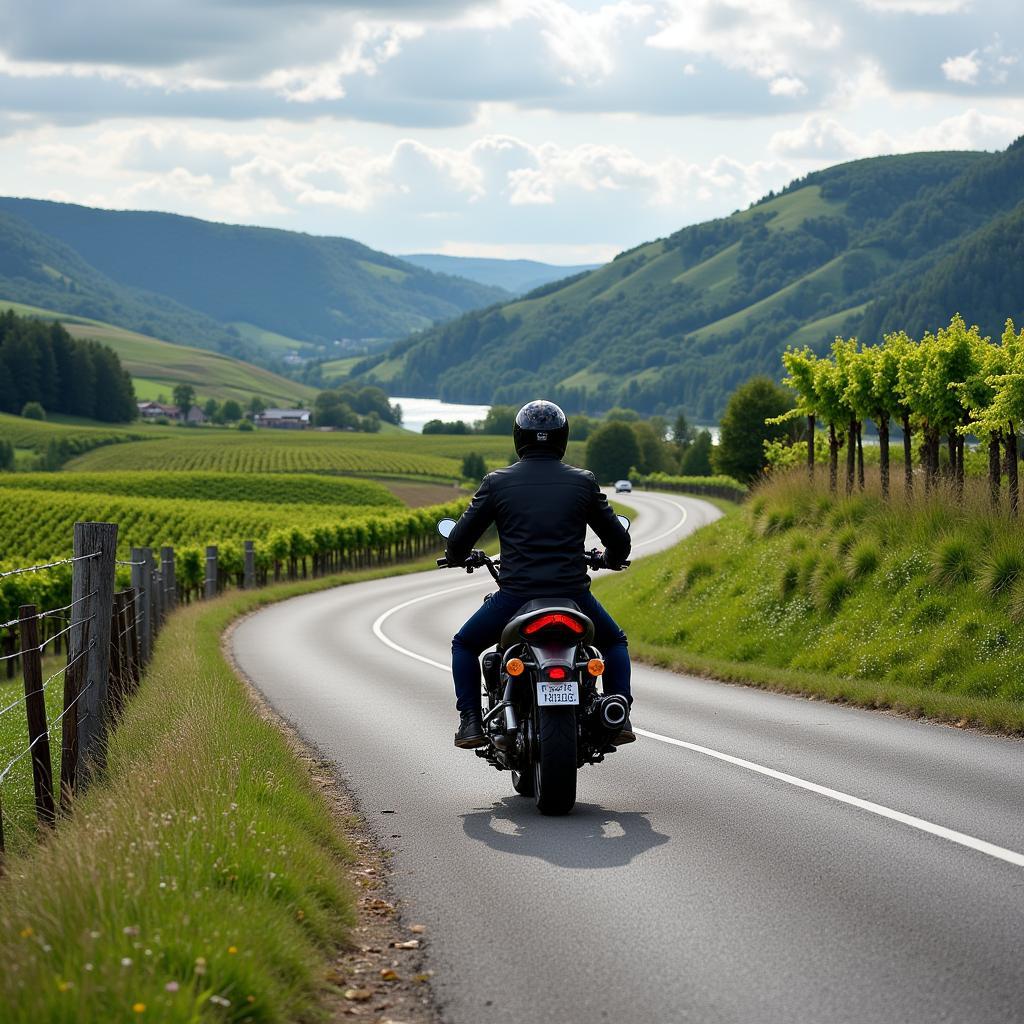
515	276
886	242
127	265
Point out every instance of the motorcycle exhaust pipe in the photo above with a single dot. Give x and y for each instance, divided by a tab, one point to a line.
612	711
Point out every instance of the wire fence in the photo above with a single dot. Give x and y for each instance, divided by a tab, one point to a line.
107	636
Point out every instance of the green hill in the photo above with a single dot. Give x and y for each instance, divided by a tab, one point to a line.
302	287
682	320
156	366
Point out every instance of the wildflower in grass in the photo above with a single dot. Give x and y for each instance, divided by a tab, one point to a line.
220	1001
171	986
26	932
62	985
200	967
126	961
232	950
138	1007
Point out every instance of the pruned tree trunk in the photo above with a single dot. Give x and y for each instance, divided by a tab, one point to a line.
810	446
883	453
959	478
994	469
851	453
833	458
908	456
860	455
1010	442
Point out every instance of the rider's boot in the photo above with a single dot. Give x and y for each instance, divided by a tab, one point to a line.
626	734
471	730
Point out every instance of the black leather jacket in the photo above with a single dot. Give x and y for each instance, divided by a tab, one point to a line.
542	508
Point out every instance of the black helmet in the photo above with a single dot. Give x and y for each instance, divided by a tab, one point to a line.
540	427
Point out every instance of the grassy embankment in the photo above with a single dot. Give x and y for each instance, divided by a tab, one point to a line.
200	879
912	605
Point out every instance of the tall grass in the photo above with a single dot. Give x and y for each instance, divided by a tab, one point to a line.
198	880
913	602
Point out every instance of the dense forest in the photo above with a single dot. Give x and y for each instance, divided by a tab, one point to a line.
679	323
305	287
41	363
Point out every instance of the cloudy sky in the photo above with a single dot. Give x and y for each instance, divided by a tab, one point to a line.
558	129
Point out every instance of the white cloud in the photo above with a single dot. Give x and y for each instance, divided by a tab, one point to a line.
963	69
787	85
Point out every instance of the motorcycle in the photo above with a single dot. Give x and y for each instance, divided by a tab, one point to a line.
545	718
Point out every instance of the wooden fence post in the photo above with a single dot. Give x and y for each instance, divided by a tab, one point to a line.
35	708
157	589
140	584
92	587
170	582
250	565
211	572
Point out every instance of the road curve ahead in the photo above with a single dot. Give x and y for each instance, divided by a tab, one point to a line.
752	858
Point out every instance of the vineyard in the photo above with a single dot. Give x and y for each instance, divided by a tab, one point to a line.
944	387
268	488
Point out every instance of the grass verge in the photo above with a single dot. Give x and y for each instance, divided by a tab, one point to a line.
911	605
202	877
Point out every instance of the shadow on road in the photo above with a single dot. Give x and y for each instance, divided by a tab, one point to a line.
590	837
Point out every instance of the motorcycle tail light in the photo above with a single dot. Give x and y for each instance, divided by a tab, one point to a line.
595	667
554	619
556	673
515	667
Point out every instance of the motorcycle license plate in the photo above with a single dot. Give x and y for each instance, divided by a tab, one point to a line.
558	694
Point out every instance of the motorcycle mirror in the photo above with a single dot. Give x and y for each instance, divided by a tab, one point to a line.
445	527
621	519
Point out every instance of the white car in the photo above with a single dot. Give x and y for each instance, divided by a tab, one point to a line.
623	487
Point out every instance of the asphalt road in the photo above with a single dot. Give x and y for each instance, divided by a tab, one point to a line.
752	858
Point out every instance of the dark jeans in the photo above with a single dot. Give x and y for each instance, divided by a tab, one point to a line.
483	630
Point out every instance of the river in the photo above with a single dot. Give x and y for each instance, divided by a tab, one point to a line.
417	411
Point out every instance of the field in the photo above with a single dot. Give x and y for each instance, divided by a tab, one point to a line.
156	366
269	489
268	451
913	604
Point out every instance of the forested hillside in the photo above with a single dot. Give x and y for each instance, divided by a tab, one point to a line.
515	276
42	363
303	287
901	240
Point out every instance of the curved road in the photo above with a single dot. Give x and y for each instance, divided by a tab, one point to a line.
752	858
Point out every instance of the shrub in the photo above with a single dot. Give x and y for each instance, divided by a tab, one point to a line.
832	586
790	580
864	559
697	571
33	411
954	562
1002	567
845	539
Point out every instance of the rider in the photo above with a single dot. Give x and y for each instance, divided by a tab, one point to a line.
542	508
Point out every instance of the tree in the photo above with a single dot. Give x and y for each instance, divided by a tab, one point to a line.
33	411
474	467
257	406
6	456
683	435
697	459
231	411
500	419
652	449
184	398
612	451
211	408
740	452
801	366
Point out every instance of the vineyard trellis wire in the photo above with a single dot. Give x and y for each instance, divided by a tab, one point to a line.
108	632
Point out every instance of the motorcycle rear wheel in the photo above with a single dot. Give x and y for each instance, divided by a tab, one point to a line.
554	766
523	783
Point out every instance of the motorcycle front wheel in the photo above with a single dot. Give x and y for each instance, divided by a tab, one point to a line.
554	766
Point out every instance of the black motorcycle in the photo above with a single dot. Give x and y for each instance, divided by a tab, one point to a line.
544	716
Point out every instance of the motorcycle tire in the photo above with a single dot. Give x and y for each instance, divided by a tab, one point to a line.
554	766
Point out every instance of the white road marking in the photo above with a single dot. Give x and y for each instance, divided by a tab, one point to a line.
378	631
661	536
979	845
1010	856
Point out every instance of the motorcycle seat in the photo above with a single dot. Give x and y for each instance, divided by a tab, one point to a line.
510	634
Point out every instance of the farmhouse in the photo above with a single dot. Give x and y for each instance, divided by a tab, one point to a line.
157	410
284	419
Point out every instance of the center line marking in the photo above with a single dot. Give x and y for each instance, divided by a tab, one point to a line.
951	835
